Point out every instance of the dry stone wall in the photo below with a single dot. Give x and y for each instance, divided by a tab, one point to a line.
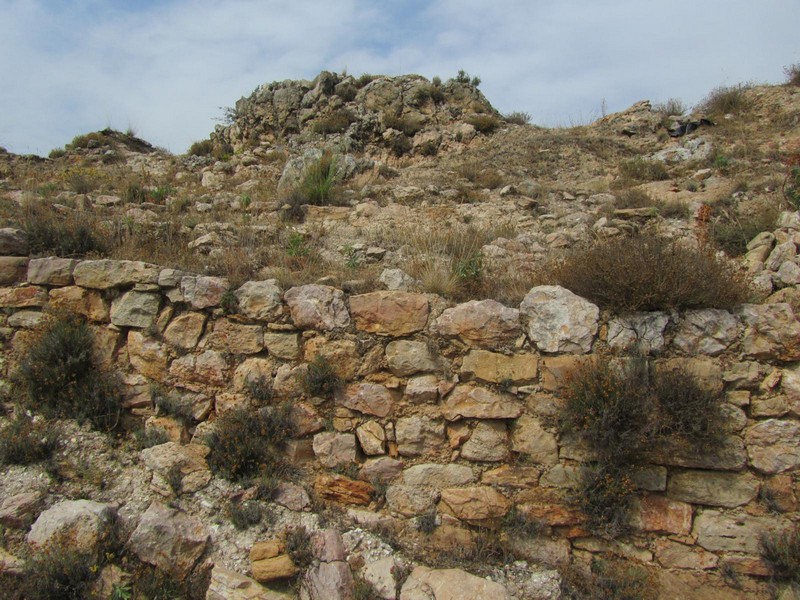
453	406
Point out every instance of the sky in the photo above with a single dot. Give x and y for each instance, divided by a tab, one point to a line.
165	69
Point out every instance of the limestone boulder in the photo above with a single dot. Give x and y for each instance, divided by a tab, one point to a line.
169	539
391	313
772	445
51	271
333	449
203	292
328	581
318	307
713	488
450	584
18	511
135	309
474	505
372	438
88	303
480	323
269	561
410	500
171	462
343	490
770	332
473	402
104	274
558	320
422	389
27	296
493	367
709	331
657	513
487	443
260	300
419	435
530	438
147	355
367	398
383	468
639	332
230	585
438	476
81	525
13	269
184	331
406	357
236	338
208	368
719	531
285	346
13	242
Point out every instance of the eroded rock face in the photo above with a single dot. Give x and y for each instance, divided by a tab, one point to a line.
168	539
480	323
318	307
640	332
713	488
135	309
368	398
13	242
558	320
203	292
173	461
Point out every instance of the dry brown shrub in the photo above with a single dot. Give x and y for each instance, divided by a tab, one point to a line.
480	175
651	273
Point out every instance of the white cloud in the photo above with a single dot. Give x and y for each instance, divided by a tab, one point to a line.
165	67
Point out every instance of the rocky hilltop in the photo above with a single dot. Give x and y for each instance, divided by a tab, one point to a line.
373	339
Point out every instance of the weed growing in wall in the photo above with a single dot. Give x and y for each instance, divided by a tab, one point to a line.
59	376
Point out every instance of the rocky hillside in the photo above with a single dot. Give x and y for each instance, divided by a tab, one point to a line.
373	339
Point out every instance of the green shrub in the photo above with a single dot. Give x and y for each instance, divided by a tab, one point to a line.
319	180
201	148
642	169
605	496
401	145
229	303
605	404
23	441
59	376
464	78
298	546
57	153
426	522
672	107
408	125
247	444
792	73
781	551
149	437
726	99
135	193
791	186
517	118
320	379
245	514
481	175
366	78
731	228
53	233
336	122
644	273
57	574
623	409
484	123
